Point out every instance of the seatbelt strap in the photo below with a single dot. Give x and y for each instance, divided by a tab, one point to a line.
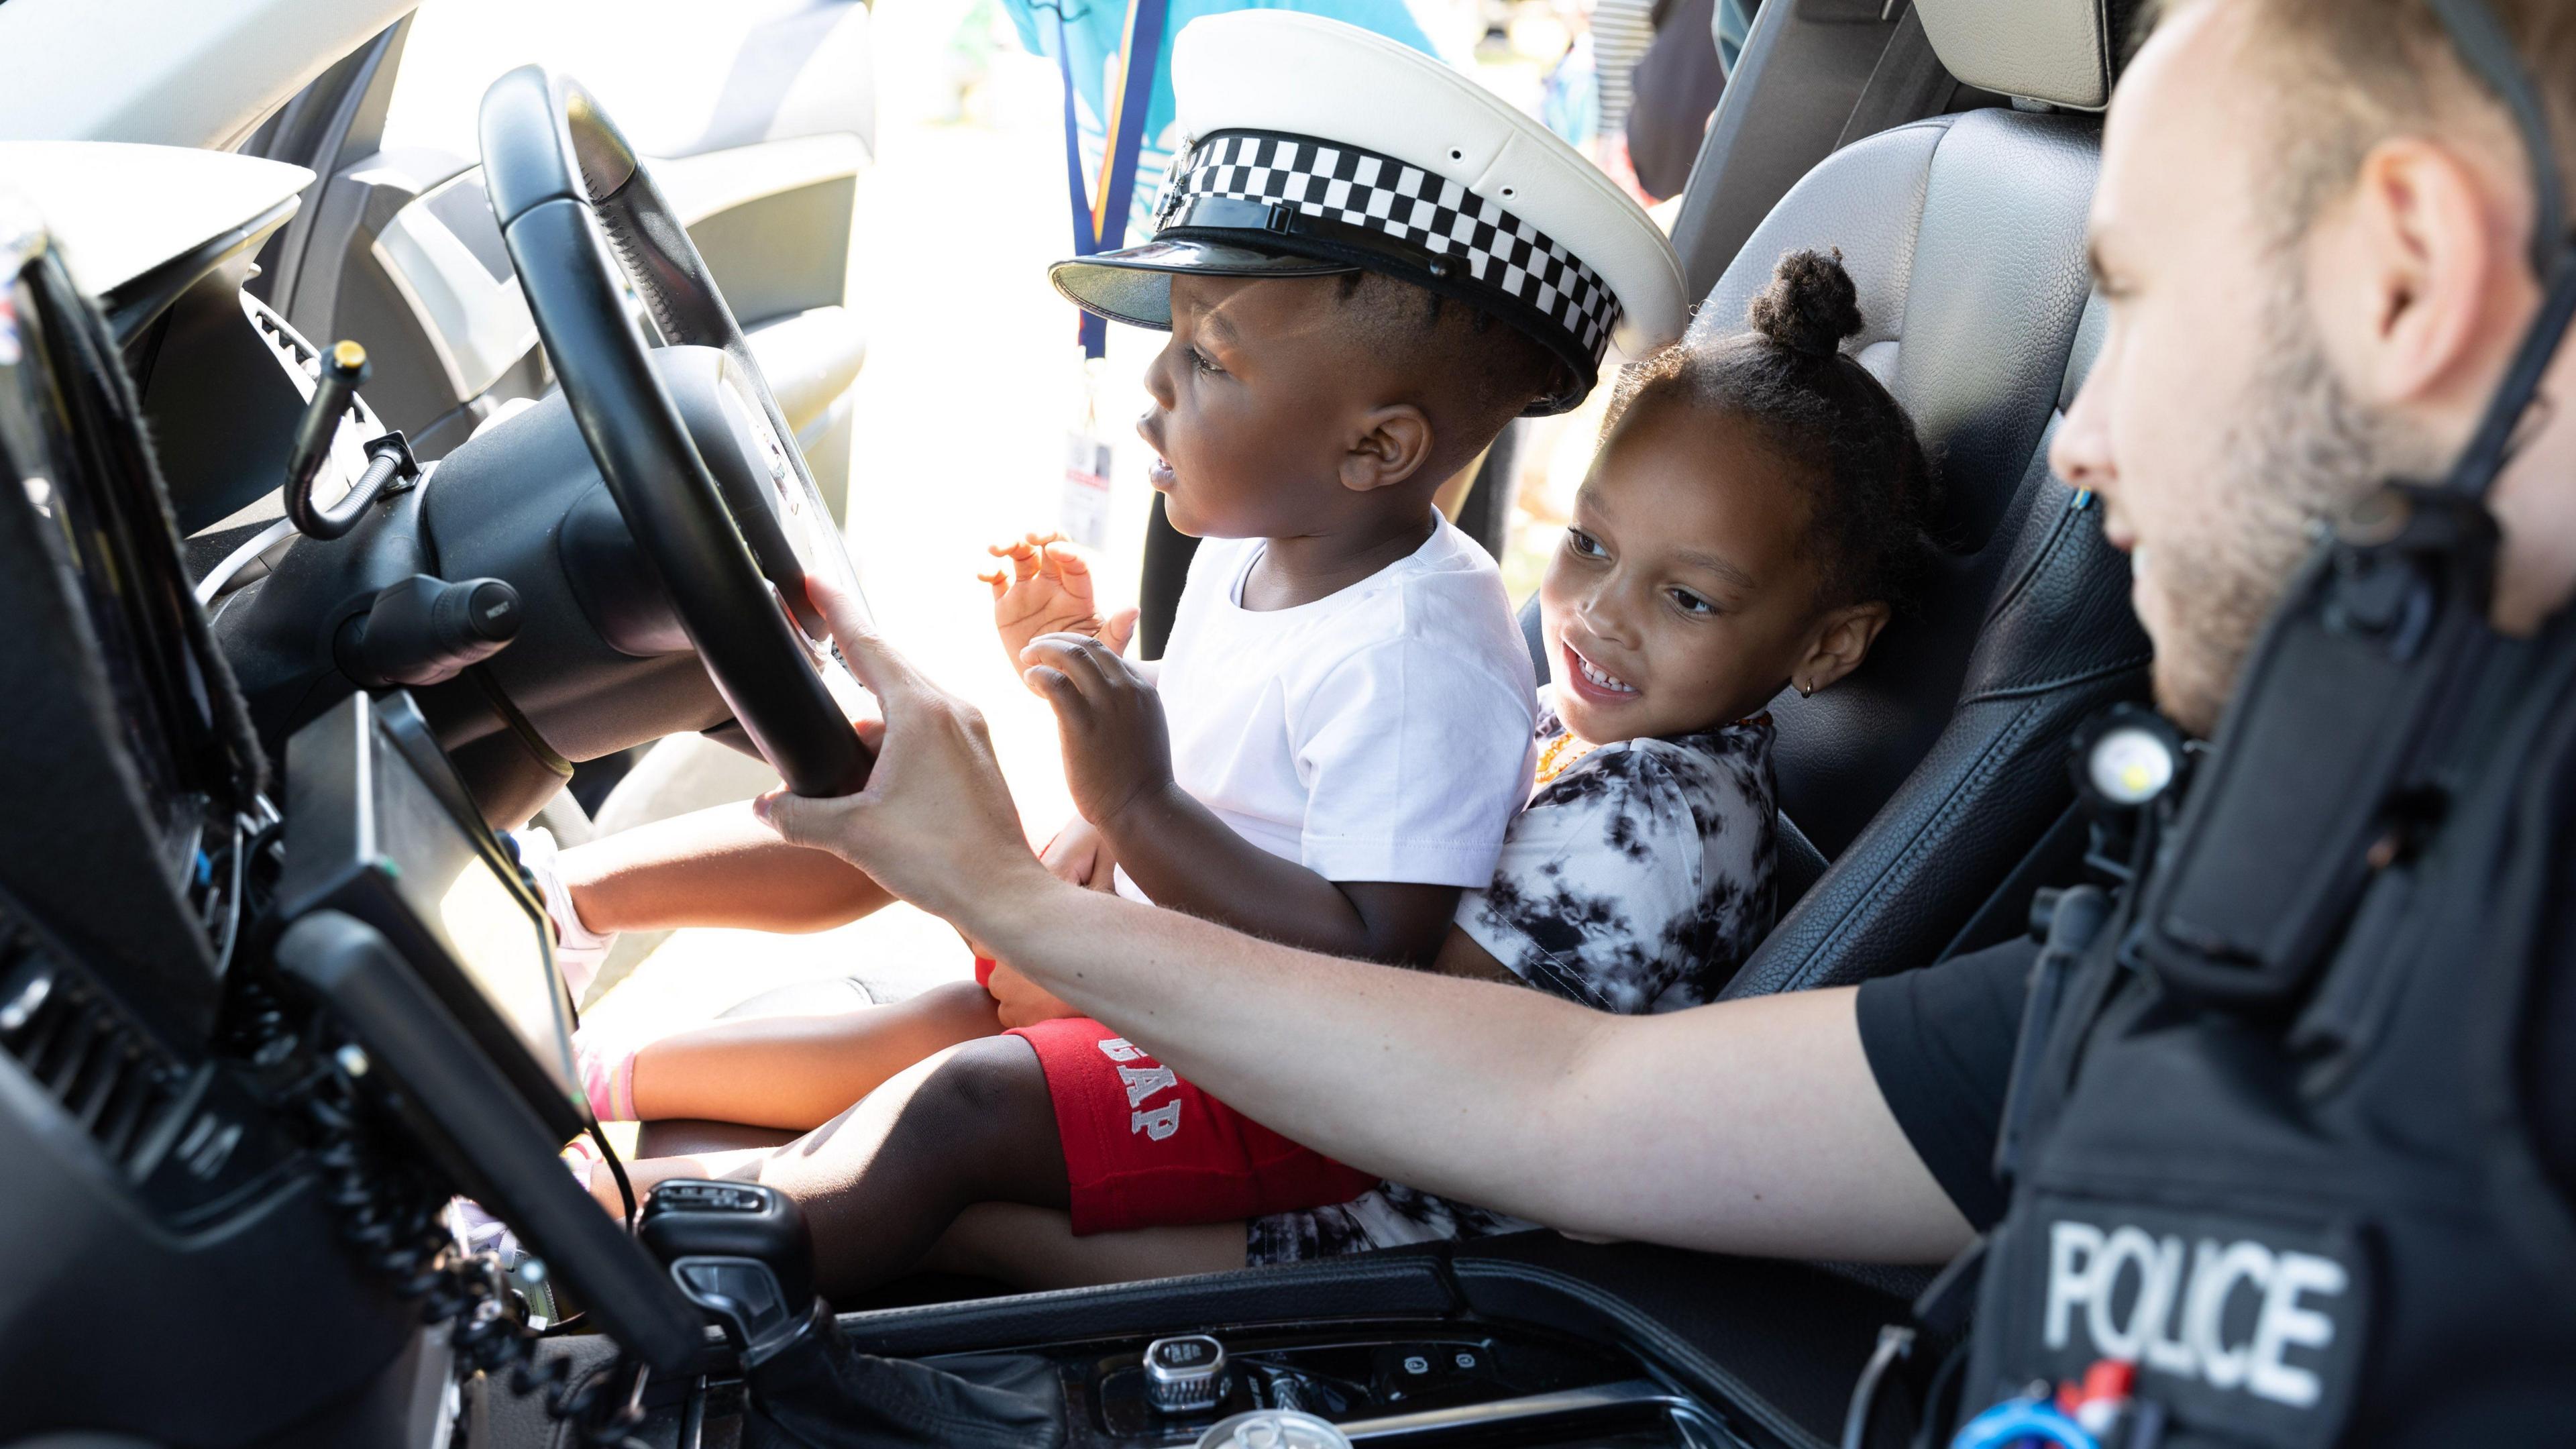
2486	49
1908	83
1100	211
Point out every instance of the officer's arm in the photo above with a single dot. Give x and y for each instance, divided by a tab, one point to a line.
1749	1127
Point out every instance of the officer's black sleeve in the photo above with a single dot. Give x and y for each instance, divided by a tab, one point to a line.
1940	1042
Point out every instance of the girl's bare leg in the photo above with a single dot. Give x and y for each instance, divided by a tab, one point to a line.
1034	1249
798	1072
881	1182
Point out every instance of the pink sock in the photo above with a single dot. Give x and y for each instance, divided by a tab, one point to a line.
607	1077
582	1157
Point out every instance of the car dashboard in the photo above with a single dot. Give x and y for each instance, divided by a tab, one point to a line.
264	1013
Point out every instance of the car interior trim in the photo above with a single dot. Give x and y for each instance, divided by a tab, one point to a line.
1499	1413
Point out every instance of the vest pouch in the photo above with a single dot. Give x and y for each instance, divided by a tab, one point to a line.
2305	797
2248	1327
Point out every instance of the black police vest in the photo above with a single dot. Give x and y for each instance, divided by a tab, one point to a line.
2327	1225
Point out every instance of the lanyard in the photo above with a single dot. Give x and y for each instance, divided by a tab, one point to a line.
1100	223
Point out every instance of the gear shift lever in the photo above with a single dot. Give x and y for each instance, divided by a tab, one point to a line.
741	1252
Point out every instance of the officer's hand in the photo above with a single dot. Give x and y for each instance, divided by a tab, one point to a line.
1116	749
1048	588
935	824
1018	1001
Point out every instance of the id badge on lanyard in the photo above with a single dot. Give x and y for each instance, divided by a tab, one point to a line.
1088	459
1100	224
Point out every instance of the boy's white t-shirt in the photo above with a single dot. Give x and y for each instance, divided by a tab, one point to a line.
1381	733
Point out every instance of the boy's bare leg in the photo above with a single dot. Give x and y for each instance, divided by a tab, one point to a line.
797	1072
881	1182
1034	1249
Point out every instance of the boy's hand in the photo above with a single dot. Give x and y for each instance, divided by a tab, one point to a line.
1018	1001
1116	749
1047	588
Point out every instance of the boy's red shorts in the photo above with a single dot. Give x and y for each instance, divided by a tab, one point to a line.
1144	1149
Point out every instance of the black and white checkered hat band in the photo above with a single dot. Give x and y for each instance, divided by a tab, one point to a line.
1420	211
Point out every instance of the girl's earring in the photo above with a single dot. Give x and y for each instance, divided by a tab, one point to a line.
1806	691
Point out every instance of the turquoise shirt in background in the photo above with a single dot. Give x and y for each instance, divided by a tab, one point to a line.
1094	30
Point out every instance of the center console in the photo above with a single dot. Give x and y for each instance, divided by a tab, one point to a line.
1529	1340
1426	1383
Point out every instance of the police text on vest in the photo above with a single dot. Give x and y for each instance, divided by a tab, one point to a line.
2177	1322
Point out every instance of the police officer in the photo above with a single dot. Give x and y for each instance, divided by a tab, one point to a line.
2292	1144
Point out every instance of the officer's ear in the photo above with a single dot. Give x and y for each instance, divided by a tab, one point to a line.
1393	443
2410	274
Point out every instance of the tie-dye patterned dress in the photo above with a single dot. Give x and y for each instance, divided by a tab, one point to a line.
1637	880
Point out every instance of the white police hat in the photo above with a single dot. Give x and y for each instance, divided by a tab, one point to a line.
1316	147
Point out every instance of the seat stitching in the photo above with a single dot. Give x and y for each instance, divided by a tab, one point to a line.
2039	559
2122	665
1990	763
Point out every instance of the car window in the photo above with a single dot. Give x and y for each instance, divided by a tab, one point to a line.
680	76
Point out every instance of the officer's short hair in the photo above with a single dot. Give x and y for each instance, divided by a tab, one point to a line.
2355	72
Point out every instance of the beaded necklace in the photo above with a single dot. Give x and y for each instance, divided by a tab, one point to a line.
1561	755
1567	751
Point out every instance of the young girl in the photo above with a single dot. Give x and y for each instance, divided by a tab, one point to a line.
1753	518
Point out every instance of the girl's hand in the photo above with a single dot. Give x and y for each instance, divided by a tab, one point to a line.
1018	1001
1048	588
1116	748
1079	855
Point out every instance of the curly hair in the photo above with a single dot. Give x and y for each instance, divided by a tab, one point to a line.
1840	431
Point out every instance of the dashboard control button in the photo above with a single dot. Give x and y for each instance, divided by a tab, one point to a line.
1408	1366
1408	1373
1185	1373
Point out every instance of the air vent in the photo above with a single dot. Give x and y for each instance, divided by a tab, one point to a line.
303	363
111	1079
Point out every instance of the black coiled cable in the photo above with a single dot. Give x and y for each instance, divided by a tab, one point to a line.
391	1211
391	1215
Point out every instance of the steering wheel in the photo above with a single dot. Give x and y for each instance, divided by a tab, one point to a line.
567	192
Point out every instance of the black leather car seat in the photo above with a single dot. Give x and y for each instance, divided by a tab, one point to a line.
1924	796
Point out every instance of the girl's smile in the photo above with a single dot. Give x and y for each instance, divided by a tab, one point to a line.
1594	682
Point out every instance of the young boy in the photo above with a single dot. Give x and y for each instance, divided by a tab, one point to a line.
1339	727
1344	711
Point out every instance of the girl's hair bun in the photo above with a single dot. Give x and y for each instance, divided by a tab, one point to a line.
1811	304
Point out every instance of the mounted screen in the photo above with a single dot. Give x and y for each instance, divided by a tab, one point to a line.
379	827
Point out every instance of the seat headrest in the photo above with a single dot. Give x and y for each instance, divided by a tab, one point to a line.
2064	52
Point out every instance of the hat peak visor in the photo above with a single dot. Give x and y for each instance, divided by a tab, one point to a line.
1134	284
